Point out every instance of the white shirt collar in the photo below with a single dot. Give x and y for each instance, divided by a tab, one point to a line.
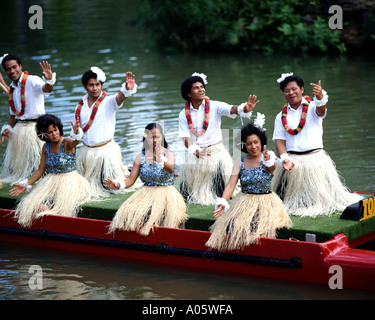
18	82
302	102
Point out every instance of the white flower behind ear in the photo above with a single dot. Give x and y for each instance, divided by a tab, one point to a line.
260	120
100	75
202	75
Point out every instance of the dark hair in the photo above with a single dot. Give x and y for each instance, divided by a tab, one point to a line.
297	79
44	122
148	128
186	86
87	76
8	58
248	130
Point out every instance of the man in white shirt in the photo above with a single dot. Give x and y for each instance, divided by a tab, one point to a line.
26	100
307	180
100	156
208	165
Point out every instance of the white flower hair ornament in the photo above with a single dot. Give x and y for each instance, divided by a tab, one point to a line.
202	75
1	60
260	120
100	75
283	76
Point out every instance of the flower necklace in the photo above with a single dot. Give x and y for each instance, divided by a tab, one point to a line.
93	113
23	100
305	107
205	120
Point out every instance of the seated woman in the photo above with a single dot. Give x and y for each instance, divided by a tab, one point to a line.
63	190
256	211
157	202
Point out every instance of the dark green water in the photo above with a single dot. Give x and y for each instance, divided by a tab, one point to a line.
78	35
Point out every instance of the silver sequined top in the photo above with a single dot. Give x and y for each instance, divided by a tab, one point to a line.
154	176
255	180
61	162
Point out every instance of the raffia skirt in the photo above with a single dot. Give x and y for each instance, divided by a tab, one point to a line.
99	163
150	207
61	193
203	180
313	187
249	217
23	153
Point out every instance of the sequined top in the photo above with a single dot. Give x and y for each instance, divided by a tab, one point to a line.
152	175
61	162
255	180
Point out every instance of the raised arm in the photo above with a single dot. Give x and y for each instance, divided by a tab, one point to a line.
321	98
245	108
77	134
127	89
48	75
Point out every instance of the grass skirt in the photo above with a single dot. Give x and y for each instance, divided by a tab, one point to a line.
250	216
23	153
203	180
62	193
148	207
97	164
313	187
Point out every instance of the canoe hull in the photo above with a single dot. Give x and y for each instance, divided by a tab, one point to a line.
289	260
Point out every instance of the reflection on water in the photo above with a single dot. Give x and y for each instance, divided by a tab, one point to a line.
81	34
69	276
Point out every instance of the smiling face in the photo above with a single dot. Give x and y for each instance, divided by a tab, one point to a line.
293	94
94	88
253	145
13	70
198	92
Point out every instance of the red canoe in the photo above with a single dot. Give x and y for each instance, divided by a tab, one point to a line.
332	262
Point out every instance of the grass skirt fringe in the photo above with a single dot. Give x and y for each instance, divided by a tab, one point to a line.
148	207
23	153
62	193
313	187
200	177
97	164
249	217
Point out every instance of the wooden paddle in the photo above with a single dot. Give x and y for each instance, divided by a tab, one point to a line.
3	88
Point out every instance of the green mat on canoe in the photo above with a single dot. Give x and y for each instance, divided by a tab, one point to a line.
201	217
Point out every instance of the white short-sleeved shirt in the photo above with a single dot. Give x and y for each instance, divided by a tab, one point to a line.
34	97
103	127
310	137
213	134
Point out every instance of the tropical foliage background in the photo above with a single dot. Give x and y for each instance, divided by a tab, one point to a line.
270	26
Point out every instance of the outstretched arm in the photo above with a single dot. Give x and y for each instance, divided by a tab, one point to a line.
6	129
229	188
281	149
20	188
129	181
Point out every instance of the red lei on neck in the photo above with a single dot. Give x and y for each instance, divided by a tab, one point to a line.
302	122
23	98
205	120
93	112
